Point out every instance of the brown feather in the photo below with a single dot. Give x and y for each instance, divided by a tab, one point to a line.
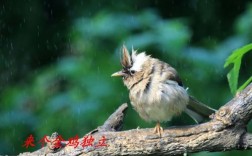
166	71
126	59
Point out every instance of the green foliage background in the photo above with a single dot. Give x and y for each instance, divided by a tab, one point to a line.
56	58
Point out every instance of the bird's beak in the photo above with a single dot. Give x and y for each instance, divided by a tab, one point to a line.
120	73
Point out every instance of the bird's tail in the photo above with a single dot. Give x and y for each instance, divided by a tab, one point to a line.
198	111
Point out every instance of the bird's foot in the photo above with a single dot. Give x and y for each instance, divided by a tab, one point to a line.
158	129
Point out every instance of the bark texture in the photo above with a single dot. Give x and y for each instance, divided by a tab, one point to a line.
225	131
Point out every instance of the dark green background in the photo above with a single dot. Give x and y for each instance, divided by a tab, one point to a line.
56	58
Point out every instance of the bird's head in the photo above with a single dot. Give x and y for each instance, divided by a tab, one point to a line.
134	67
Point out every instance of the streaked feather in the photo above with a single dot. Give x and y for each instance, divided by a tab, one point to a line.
125	58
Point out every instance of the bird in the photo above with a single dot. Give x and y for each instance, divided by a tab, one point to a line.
156	91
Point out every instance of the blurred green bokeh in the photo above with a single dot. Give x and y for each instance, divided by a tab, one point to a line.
57	57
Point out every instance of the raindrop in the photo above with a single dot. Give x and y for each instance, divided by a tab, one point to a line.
56	47
14	132
38	30
11	46
13	149
98	69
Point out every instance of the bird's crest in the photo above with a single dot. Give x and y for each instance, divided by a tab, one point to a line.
133	61
126	59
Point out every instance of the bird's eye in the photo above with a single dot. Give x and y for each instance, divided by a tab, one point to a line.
132	71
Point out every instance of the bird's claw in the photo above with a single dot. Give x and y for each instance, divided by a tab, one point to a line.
158	129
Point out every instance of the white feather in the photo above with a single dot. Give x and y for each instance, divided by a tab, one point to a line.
164	101
138	60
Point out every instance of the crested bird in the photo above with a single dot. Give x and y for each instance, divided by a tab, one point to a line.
156	91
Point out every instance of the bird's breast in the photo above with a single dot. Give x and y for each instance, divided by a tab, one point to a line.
160	102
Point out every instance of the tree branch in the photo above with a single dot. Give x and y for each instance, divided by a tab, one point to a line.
225	131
